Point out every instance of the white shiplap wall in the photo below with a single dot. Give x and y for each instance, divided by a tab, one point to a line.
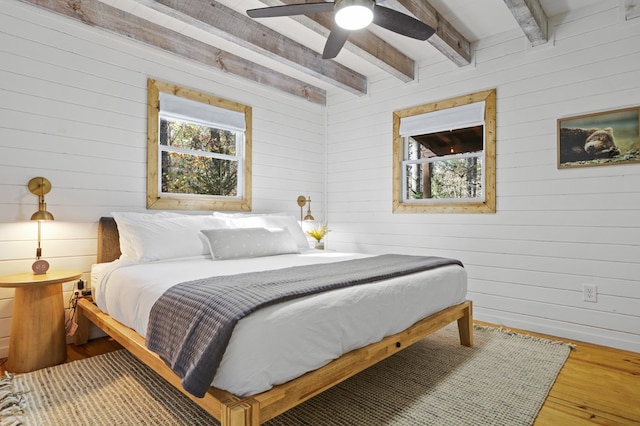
73	109
554	230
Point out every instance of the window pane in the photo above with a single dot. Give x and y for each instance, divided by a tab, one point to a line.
459	141
197	137
456	178
197	174
416	150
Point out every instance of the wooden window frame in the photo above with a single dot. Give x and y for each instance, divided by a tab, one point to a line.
157	200
488	205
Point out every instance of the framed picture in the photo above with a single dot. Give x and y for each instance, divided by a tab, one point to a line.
599	139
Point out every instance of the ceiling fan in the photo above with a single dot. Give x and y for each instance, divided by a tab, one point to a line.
351	15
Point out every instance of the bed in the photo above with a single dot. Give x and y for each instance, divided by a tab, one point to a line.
255	405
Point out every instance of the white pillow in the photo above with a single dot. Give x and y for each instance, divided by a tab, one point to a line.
168	237
230	216
249	242
126	245
273	221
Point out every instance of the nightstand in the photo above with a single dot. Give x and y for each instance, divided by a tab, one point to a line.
37	327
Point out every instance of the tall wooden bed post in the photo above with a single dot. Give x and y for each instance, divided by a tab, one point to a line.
231	410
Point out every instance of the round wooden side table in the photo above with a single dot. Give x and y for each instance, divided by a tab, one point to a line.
37	327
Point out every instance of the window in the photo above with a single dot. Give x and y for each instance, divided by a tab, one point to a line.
444	156
199	150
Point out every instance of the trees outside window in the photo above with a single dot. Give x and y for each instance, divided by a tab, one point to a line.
197	159
440	166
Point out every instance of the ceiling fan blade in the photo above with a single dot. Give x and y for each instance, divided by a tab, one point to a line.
290	10
337	38
402	24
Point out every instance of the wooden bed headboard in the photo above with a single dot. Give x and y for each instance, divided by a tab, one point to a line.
108	240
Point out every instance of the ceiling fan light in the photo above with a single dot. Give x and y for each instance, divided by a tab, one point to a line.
354	14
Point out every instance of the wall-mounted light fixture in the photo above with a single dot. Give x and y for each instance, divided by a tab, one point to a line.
40	186
302	201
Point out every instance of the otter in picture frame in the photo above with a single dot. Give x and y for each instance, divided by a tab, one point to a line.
599	139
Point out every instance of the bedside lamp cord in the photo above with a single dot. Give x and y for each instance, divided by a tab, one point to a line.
73	302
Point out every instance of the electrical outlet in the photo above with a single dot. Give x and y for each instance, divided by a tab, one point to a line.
590	293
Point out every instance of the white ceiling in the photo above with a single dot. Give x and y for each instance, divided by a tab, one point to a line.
479	19
474	19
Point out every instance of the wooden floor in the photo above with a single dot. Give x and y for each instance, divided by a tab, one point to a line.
597	385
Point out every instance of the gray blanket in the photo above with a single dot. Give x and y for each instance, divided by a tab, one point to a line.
191	323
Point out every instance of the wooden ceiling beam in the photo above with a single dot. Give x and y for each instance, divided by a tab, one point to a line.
226	23
364	44
100	15
447	39
531	18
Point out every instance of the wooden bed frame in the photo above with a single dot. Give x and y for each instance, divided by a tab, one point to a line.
231	410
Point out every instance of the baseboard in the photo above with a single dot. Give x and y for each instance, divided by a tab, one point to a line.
573	332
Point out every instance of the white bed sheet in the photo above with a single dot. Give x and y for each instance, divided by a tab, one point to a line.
283	341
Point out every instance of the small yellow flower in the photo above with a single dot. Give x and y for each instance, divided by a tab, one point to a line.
318	233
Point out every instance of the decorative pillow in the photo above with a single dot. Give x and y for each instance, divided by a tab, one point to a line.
167	237
274	221
122	218
249	242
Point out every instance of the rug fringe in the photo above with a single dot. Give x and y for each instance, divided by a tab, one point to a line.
523	335
12	404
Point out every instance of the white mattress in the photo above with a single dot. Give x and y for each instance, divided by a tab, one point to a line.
283	341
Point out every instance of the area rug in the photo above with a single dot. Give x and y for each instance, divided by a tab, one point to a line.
502	380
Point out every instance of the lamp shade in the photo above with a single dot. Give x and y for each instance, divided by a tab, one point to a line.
42	215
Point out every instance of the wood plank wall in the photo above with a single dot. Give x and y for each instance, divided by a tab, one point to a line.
73	109
554	230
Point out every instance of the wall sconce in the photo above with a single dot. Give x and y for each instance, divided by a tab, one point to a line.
40	186
302	201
